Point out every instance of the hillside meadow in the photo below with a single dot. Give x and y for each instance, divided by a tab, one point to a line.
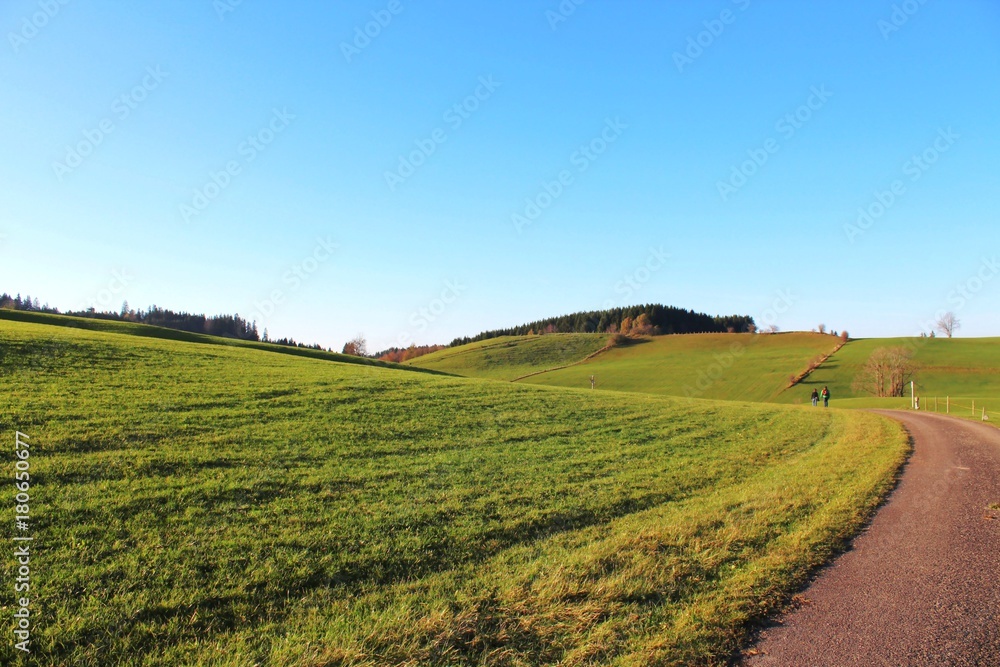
512	357
740	367
965	369
744	367
147	331
200	504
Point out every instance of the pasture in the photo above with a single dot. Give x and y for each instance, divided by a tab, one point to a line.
217	505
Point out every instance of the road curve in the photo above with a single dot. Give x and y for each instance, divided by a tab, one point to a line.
921	585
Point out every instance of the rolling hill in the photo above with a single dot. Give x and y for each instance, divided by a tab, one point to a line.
147	331
512	357
724	366
207	504
965	369
731	366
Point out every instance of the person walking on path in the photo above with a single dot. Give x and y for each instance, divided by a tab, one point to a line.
815	398
826	397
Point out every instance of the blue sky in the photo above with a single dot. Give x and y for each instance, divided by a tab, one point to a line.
478	165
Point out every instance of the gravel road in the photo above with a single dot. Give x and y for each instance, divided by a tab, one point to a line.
921	586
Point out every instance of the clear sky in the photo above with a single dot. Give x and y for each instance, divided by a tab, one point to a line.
474	165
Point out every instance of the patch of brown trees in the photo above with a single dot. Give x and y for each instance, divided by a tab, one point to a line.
886	373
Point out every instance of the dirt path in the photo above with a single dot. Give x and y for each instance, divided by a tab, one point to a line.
921	586
587	358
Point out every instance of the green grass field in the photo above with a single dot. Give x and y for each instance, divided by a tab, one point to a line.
511	357
723	366
734	367
146	331
202	504
965	369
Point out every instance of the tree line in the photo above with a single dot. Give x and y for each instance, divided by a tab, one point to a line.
226	326
648	319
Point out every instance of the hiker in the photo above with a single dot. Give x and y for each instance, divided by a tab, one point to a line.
815	398
826	397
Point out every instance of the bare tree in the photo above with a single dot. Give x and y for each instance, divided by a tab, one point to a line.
821	328
356	347
770	329
886	373
948	324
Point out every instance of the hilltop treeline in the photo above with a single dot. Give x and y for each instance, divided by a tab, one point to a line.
654	319
649	319
27	303
227	326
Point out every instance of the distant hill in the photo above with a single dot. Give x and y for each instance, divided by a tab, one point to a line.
149	331
742	367
963	368
722	366
228	326
653	319
511	357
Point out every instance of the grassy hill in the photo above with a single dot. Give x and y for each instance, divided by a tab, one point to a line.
733	366
200	504
723	366
966	369
147	331
511	357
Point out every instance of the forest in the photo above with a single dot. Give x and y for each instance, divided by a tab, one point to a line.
649	319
